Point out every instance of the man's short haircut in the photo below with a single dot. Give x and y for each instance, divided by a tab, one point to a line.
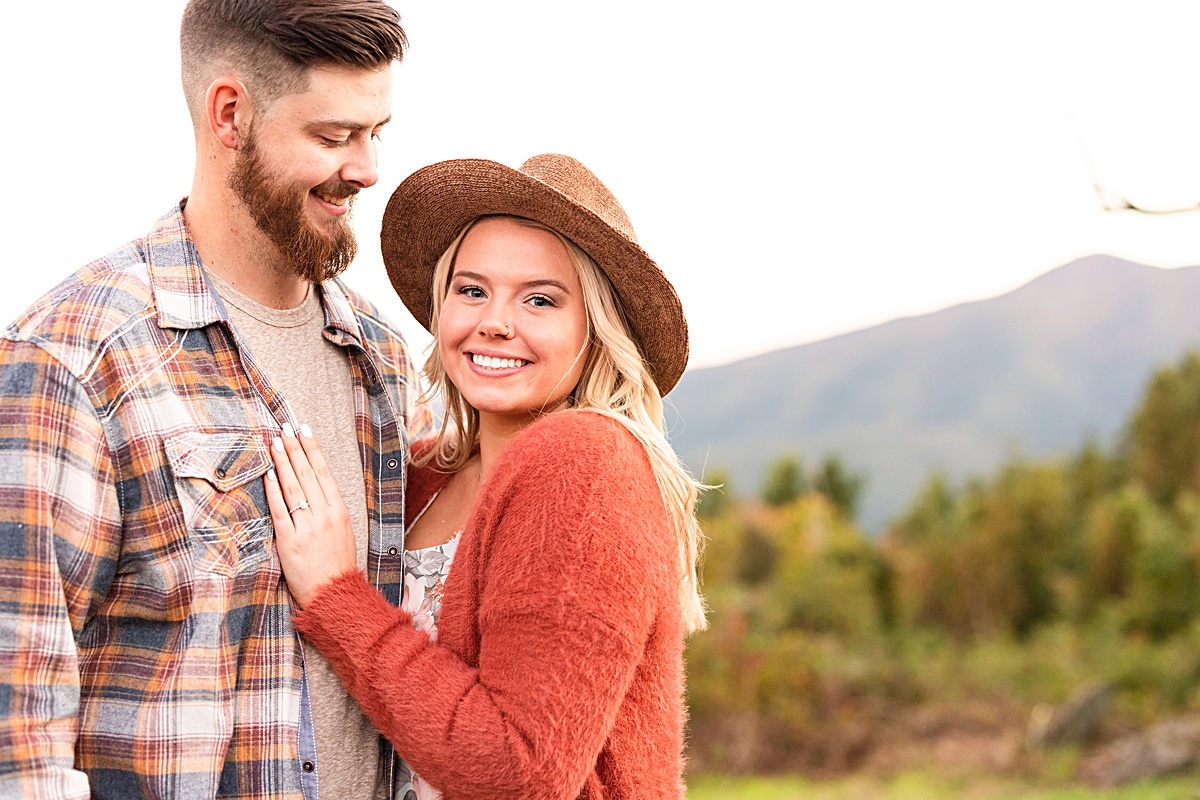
271	44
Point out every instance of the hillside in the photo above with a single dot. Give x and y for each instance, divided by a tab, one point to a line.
1033	371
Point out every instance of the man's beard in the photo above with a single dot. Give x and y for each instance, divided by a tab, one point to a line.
278	211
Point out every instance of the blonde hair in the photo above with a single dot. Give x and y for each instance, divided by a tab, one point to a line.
615	382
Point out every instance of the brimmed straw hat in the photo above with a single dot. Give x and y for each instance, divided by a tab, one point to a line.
431	206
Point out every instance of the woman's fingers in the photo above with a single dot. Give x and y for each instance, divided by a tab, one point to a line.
310	487
320	467
314	538
275	502
289	484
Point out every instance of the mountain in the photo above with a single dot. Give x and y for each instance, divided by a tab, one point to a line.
1034	371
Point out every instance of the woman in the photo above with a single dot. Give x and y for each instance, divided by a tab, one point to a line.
547	661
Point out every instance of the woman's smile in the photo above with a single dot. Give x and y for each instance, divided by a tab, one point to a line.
496	363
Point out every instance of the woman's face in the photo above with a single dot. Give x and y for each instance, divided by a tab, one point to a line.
513	331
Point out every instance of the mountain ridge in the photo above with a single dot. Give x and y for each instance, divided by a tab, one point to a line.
1034	370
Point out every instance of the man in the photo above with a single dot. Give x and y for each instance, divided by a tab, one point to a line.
146	644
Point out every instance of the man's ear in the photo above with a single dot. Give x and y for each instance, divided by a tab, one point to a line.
229	111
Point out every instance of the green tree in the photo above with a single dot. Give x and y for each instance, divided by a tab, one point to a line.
926	547
1094	474
1113	535
985	560
842	487
785	482
1164	591
716	500
823	575
1164	434
1018	544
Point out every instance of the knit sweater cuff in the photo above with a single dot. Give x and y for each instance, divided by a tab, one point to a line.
347	617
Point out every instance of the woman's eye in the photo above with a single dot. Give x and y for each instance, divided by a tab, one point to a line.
541	301
473	292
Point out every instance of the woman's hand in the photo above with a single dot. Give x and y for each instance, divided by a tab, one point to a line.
312	526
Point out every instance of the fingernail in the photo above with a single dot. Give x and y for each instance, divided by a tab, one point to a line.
271	475
278	444
306	431
288	430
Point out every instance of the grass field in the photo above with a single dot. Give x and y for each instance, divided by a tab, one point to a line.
924	787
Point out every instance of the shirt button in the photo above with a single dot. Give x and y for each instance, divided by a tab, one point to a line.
220	473
392	551
392	463
308	766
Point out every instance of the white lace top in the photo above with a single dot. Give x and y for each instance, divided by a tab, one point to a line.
425	572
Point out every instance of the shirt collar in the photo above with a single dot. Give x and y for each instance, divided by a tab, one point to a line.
185	299
182	296
342	325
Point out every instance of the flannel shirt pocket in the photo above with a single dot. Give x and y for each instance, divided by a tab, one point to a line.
218	481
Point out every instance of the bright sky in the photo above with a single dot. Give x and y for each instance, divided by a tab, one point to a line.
799	169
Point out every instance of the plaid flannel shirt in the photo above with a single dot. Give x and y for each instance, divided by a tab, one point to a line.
146	642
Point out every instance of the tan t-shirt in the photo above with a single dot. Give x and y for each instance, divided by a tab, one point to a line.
314	375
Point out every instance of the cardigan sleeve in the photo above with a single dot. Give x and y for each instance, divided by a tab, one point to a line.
580	561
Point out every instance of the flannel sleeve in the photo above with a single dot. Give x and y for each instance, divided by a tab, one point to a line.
59	540
418	416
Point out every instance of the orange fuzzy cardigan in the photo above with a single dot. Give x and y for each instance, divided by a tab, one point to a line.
558	670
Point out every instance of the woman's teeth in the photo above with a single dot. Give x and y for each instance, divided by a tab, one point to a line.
488	362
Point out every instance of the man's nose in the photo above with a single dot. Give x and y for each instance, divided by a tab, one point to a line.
363	168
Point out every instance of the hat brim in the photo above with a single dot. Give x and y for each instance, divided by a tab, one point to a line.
431	206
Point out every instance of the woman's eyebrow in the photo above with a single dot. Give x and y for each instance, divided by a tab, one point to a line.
548	282
475	276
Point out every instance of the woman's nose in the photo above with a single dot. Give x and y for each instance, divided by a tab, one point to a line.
495	327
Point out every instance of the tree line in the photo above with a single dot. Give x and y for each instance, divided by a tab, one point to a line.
1062	560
